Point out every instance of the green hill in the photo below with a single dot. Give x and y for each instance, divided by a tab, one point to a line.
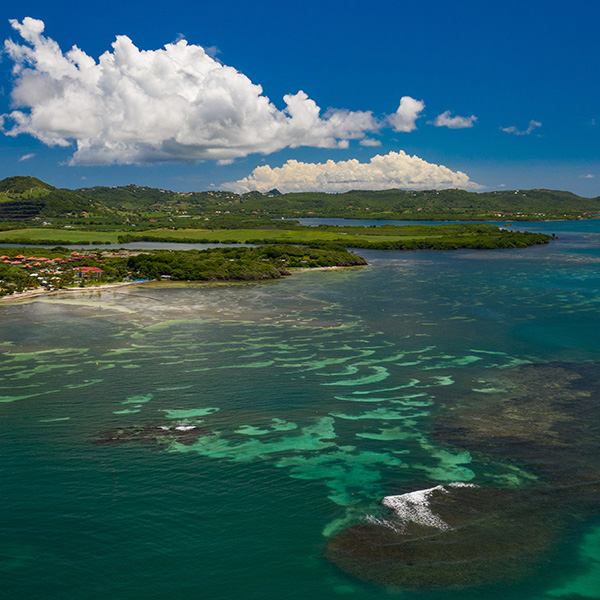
25	198
25	186
428	204
400	204
28	198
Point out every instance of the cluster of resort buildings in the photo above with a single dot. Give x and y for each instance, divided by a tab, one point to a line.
49	272
55	266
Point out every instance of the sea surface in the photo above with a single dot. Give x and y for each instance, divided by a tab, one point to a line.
215	441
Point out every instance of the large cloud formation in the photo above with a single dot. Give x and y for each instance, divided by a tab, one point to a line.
392	170
172	104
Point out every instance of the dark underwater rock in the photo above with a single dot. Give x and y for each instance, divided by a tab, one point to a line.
152	434
449	537
547	419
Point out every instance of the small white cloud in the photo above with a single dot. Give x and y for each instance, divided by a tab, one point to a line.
392	170
26	156
588	176
403	120
445	120
512	129
370	142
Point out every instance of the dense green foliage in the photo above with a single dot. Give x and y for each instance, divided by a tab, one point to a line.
230	264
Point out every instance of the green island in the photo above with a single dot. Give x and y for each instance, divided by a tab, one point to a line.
33	212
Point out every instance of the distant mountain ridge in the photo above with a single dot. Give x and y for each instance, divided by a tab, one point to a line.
25	198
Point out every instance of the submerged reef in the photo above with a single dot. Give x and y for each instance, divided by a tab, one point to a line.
544	419
183	433
448	536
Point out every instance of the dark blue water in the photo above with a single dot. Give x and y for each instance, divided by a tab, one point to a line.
317	395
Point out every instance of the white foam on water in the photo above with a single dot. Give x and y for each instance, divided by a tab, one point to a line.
185	427
413	507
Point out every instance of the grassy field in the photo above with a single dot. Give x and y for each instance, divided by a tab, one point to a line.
65	236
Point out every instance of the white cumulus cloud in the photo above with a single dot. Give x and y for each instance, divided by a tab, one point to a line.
26	156
446	120
512	129
392	170
173	104
403	120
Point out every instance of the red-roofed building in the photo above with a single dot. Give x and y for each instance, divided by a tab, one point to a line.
87	272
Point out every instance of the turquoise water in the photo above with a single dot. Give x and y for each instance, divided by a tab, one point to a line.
314	398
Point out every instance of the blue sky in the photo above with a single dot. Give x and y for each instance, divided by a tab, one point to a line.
524	78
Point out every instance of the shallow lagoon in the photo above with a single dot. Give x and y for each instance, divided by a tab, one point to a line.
317	396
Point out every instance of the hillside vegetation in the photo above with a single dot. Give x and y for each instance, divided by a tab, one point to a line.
30	200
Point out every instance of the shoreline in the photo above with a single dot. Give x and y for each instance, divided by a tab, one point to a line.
37	292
